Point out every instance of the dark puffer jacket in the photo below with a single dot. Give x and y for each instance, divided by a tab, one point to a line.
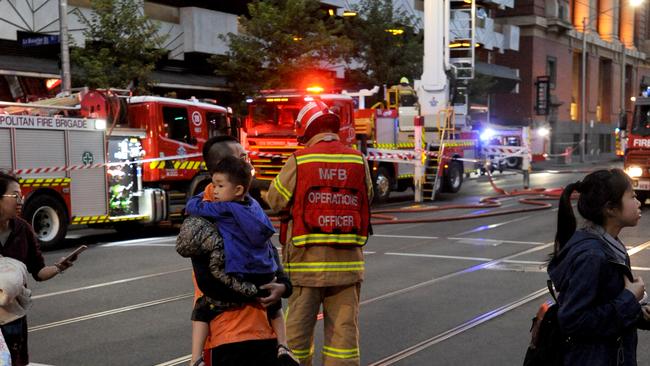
596	311
221	288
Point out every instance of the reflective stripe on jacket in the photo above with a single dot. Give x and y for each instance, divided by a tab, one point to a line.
320	265
331	203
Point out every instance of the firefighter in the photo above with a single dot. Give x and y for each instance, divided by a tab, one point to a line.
327	189
407	95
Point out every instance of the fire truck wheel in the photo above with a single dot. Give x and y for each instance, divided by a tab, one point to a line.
512	163
382	185
453	177
49	219
198	184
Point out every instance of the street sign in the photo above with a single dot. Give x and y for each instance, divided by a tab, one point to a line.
542	95
27	39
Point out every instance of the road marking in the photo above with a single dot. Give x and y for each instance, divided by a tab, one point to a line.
495	241
491	226
109	312
476	321
177	361
459	329
406	236
116	282
638	248
537	263
479	259
453	274
138	241
441	256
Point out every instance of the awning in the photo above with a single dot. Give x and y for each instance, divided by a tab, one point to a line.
506	78
177	80
49	68
29	66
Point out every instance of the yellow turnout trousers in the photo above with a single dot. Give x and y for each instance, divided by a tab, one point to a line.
341	323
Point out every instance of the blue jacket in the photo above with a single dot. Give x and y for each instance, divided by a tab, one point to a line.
596	311
246	232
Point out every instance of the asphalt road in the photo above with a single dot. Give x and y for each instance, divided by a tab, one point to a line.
447	293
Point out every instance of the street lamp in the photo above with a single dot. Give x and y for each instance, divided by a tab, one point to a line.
583	82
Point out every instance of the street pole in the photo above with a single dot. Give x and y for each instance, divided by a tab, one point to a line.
583	87
623	114
65	52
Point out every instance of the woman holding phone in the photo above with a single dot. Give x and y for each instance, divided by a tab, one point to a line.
18	241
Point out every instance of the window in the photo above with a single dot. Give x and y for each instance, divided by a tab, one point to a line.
604	108
576	99
576	141
218	124
176	124
551	70
605	142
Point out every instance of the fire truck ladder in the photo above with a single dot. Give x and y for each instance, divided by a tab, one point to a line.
462	38
433	166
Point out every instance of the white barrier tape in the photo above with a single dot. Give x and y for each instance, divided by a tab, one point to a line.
498	149
142	161
98	165
396	156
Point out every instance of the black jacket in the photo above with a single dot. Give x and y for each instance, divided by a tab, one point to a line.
599	315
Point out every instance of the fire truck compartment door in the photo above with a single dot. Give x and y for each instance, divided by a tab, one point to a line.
5	149
40	149
88	186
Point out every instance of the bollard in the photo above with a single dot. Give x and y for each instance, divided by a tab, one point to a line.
526	156
418	173
526	179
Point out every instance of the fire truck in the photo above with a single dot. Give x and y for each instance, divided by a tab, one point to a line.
67	154
449	152
268	132
637	154
269	135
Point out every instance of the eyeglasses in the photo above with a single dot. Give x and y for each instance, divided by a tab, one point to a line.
19	197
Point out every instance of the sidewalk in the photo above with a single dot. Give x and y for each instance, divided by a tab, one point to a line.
550	165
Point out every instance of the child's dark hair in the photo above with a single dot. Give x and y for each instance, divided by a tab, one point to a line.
5	180
238	171
599	190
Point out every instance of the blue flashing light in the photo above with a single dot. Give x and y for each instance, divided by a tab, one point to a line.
487	134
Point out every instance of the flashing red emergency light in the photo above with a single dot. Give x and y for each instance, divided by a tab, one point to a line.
315	89
52	83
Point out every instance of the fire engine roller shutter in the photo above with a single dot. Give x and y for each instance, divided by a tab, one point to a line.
40	149
5	149
88	186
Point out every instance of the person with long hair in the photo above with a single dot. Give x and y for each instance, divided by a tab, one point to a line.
600	300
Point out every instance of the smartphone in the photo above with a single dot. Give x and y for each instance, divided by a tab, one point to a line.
75	253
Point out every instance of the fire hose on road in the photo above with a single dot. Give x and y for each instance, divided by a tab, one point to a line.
379	217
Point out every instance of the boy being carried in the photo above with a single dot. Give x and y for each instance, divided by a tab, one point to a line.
249	256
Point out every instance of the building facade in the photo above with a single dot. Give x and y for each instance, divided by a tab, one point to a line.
29	45
551	54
